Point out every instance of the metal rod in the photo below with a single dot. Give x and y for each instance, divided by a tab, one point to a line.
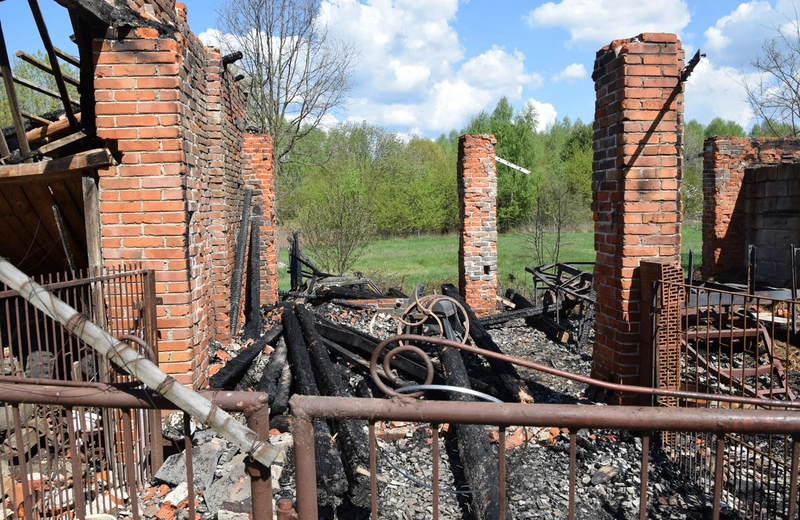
188	448
435	472
373	471
794	290
719	461
305	469
77	473
793	478
715	420
260	476
27	490
110	396
643	476
501	455
573	448
130	468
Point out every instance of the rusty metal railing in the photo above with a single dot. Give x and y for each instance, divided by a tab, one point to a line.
717	423
36	350
737	344
35	491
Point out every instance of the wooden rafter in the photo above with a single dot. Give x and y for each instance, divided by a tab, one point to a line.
42	90
46	132
56	68
57	168
39	64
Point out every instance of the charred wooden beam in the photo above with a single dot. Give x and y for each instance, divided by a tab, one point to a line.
365	345
345	293
271	383
253	302
477	459
513	388
34	119
69	58
350	434
238	261
57	169
497	319
331	485
540	321
236	367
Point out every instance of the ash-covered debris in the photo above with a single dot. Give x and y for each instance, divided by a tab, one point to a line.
608	462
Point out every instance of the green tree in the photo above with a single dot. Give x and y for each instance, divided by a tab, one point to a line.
692	183
772	129
515	136
337	224
729	128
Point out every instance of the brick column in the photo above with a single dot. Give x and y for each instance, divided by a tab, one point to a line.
142	200
636	186
259	171
477	252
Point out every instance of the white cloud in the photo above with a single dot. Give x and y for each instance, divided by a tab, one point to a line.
736	39
714	90
411	72
545	114
598	22
571	73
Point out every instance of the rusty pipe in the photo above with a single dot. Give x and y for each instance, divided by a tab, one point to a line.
614	387
716	420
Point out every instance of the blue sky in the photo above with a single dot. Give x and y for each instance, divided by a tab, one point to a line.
427	66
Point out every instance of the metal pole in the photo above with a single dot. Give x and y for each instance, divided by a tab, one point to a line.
260	476
305	468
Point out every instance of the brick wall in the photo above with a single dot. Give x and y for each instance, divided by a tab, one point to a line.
636	189
173	203
725	233
477	252
259	171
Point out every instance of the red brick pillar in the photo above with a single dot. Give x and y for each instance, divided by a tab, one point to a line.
636	185
142	200
477	252
259	172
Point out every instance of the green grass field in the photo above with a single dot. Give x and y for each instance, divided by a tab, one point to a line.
433	260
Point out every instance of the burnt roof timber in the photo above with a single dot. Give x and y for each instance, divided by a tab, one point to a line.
56	68
39	64
46	91
57	168
36	120
69	58
46	132
11	95
98	13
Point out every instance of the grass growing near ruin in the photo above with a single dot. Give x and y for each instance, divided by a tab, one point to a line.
433	260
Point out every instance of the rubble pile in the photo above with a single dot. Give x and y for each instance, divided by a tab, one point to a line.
609	462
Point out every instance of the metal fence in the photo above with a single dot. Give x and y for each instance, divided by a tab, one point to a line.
736	417
52	460
736	344
75	481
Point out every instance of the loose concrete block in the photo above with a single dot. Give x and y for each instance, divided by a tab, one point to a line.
204	461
